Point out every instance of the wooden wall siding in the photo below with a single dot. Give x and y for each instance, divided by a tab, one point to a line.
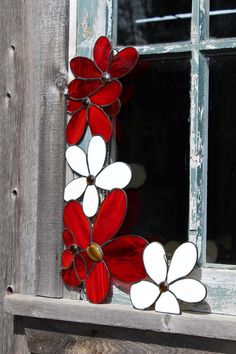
55	337
33	50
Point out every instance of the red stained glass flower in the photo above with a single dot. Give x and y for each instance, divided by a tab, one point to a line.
104	255
88	110
106	65
96	87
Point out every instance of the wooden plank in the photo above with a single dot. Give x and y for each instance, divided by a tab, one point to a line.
54	337
33	72
195	324
18	185
51	80
221	292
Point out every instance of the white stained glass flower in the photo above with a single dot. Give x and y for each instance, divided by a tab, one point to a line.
167	285
93	175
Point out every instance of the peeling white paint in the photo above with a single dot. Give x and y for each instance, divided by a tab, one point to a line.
110	19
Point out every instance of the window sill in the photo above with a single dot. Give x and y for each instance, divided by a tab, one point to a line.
195	324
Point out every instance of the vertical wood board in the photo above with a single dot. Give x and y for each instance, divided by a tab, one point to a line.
32	119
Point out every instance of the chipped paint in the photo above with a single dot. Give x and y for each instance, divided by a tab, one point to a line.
86	30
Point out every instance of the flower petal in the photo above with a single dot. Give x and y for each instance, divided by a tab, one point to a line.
167	302
116	175
76	126
82	88
188	290
107	94
123	257
110	216
75	220
75	189
154	259
77	160
123	62
66	259
70	278
73	106
102	52
68	238
90	201
183	261
143	294
97	283
84	68
96	155
99	123
80	267
133	211
113	109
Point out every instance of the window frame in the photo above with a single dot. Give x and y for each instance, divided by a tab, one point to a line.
219	279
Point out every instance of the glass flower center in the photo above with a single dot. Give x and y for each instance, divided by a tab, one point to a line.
94	252
90	180
106	77
86	102
74	249
163	286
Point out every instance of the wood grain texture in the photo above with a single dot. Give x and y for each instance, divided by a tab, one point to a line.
45	336
193	324
33	73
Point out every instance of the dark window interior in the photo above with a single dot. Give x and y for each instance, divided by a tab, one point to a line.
153	131
151	21
222	157
223	24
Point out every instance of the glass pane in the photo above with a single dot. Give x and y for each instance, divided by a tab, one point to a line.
151	21
222	18
153	136
222	160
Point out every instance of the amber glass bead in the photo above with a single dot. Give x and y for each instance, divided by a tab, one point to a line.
94	252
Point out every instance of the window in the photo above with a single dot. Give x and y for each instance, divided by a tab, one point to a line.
184	108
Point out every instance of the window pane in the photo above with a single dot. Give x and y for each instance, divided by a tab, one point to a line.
151	21
222	18
155	134
222	159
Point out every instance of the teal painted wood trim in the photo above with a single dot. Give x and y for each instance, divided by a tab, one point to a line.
209	45
198	152
94	18
200	20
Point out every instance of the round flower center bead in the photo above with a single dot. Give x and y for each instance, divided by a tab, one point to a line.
106	77
86	102
163	286
74	249
90	180
94	252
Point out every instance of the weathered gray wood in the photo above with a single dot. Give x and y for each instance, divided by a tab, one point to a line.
119	341
47	336
221	292
196	324
33	72
52	77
